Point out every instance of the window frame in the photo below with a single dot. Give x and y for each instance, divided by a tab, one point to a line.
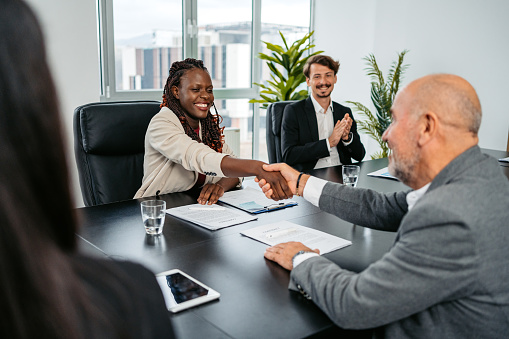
189	50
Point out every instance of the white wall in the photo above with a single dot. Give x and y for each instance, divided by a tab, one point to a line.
70	29
463	37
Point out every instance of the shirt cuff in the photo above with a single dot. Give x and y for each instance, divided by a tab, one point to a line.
302	257
328	144
313	190
350	141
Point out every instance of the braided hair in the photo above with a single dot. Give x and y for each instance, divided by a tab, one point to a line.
212	133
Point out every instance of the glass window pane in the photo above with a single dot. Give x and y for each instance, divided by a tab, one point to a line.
148	38
238	119
224	41
293	21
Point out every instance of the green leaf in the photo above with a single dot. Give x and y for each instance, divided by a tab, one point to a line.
284	40
275	48
396	73
275	71
283	85
268	58
382	96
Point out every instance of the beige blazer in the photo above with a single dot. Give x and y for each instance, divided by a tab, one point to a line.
173	160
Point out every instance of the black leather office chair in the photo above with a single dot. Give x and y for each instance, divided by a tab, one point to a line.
273	128
109	148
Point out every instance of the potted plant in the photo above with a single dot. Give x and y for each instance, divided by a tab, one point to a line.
292	58
382	95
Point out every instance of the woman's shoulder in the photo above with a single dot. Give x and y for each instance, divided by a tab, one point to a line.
165	118
165	114
106	270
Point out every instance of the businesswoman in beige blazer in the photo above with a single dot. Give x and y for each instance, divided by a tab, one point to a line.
184	144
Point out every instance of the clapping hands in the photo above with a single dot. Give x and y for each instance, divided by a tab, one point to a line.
341	130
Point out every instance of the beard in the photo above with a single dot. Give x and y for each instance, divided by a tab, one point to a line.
327	87
403	166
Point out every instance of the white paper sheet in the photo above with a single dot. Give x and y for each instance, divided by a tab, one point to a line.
285	231
212	217
382	173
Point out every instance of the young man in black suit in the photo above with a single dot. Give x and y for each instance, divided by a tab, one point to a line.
317	132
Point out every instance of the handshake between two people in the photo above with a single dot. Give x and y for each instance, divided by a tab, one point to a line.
278	181
289	175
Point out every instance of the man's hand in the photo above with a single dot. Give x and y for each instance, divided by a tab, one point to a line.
289	174
284	253
348	124
341	127
210	193
278	184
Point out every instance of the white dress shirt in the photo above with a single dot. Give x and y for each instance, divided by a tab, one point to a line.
414	196
325	121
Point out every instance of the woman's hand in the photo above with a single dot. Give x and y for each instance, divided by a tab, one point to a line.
210	193
277	183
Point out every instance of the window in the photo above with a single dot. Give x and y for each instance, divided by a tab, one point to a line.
140	41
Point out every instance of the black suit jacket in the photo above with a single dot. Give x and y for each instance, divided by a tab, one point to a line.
300	145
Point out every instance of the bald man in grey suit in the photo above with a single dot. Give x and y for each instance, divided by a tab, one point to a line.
447	274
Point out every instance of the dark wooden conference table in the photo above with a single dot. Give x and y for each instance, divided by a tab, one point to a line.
255	301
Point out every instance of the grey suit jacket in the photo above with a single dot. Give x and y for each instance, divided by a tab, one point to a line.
447	274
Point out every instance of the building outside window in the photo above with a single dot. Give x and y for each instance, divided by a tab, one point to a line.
147	37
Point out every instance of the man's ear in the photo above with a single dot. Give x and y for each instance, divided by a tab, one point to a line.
175	91
428	127
307	81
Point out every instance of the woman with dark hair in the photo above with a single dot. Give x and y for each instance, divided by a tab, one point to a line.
46	289
184	144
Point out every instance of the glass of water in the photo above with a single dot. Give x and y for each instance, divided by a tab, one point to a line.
152	213
351	175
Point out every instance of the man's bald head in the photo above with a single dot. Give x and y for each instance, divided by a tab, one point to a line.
451	97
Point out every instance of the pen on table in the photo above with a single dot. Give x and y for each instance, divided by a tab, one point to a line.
274	206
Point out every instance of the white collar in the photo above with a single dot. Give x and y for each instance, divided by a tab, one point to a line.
414	196
318	107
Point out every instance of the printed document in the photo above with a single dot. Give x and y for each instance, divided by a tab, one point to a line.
212	217
284	231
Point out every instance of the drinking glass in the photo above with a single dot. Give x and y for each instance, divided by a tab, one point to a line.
152	213
351	175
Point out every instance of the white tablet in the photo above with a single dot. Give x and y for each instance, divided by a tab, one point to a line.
181	291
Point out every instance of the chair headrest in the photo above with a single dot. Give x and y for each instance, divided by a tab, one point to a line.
277	115
115	128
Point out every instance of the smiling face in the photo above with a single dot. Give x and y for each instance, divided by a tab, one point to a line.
401	137
195	94
321	80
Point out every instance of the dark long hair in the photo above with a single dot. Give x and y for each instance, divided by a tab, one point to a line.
40	293
212	133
